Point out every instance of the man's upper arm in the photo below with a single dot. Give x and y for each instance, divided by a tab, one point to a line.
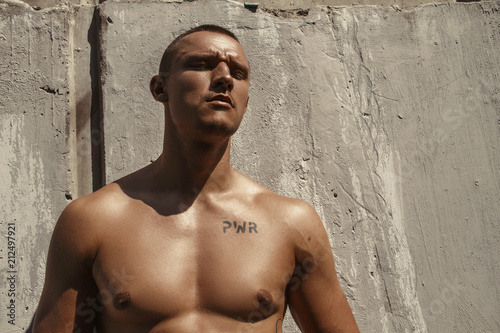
68	279
315	298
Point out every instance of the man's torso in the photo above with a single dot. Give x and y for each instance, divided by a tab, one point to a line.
214	266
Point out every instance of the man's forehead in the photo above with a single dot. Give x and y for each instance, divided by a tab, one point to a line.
210	42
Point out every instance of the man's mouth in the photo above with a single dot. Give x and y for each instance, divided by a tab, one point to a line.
222	98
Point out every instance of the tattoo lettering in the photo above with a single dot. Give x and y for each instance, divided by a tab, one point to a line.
240	228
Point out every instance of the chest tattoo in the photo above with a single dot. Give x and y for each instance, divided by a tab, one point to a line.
245	227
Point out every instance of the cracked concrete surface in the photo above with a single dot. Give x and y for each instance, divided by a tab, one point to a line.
384	118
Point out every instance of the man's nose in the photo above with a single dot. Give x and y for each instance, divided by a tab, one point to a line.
221	77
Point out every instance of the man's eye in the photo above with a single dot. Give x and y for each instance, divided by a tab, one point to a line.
199	66
238	75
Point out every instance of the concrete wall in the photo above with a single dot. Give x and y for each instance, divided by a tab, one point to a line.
35	163
386	119
272	4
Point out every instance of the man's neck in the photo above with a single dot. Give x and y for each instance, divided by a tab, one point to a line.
189	168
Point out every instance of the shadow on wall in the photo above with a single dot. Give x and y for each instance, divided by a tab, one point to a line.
30	327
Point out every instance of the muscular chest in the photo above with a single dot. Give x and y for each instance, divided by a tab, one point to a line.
237	266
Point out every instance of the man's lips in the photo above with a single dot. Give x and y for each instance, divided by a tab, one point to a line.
222	98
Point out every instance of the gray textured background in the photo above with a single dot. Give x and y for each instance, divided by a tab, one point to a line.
385	118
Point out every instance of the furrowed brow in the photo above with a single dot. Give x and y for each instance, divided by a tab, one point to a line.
238	64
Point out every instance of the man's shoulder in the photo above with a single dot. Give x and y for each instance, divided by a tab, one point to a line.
108	196
96	206
295	218
294	211
77	232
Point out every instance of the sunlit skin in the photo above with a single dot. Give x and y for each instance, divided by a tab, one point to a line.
188	243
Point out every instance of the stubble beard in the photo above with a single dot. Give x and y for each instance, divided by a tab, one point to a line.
217	129
209	127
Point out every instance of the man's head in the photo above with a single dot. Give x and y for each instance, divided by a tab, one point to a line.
169	54
203	84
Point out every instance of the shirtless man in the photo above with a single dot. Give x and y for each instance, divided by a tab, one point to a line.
189	244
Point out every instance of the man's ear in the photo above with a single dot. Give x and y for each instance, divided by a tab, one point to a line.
156	87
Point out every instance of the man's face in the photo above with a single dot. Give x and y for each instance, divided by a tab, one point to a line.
207	86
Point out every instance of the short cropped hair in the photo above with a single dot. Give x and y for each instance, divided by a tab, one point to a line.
169	54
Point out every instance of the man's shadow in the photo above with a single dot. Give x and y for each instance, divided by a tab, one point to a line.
30	327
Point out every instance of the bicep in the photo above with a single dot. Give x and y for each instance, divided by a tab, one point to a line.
319	305
69	284
315	297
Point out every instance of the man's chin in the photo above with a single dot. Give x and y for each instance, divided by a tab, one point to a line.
217	129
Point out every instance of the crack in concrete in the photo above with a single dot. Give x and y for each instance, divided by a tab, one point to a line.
286	13
379	266
50	90
357	202
96	112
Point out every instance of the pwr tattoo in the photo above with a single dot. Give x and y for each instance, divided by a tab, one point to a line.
239	227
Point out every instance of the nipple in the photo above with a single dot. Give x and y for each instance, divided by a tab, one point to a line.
121	300
264	297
